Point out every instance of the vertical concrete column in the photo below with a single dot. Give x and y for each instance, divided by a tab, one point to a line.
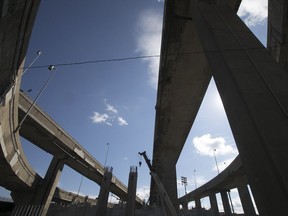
246	200
45	194
214	205
37	203
253	88
168	178
104	192
198	203
185	206
132	185
225	201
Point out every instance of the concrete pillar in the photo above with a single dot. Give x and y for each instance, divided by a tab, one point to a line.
246	200
198	203
214	205
132	186
185	206
104	192
254	92
166	172
37	203
226	205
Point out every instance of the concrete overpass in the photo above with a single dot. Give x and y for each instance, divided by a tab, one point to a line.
27	187
253	88
45	133
234	176
202	39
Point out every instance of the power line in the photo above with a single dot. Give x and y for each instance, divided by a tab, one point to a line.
148	57
98	61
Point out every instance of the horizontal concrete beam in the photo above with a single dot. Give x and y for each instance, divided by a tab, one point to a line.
224	181
45	133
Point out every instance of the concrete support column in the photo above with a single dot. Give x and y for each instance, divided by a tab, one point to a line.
185	206
214	205
104	192
246	200
166	172
226	205
37	203
198	203
253	88
132	186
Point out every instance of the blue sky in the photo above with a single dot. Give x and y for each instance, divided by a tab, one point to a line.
114	102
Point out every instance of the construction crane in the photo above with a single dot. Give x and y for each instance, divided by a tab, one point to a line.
165	200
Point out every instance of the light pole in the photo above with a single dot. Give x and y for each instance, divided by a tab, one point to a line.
51	68
80	185
184	182
38	55
106	155
195	179
216	161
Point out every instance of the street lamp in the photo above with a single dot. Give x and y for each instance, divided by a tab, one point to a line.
51	68
80	185
216	161
184	182
106	155
38	55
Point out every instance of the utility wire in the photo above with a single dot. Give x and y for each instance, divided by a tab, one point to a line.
149	57
98	61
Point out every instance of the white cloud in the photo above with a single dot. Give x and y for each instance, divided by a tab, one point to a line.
206	144
110	108
253	12
106	118
99	118
122	121
144	192
149	41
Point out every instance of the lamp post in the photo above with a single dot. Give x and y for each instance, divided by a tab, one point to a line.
51	68
216	161
184	182
195	179
106	155
80	185
38	55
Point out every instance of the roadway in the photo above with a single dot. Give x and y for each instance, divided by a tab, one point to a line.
45	133
224	181
16	24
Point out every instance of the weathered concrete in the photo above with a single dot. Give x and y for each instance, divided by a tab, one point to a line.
37	202
245	198
214	205
184	76
277	41
16	22
253	88
132	187
254	91
225	181
41	130
102	200
179	93
225	202
197	203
